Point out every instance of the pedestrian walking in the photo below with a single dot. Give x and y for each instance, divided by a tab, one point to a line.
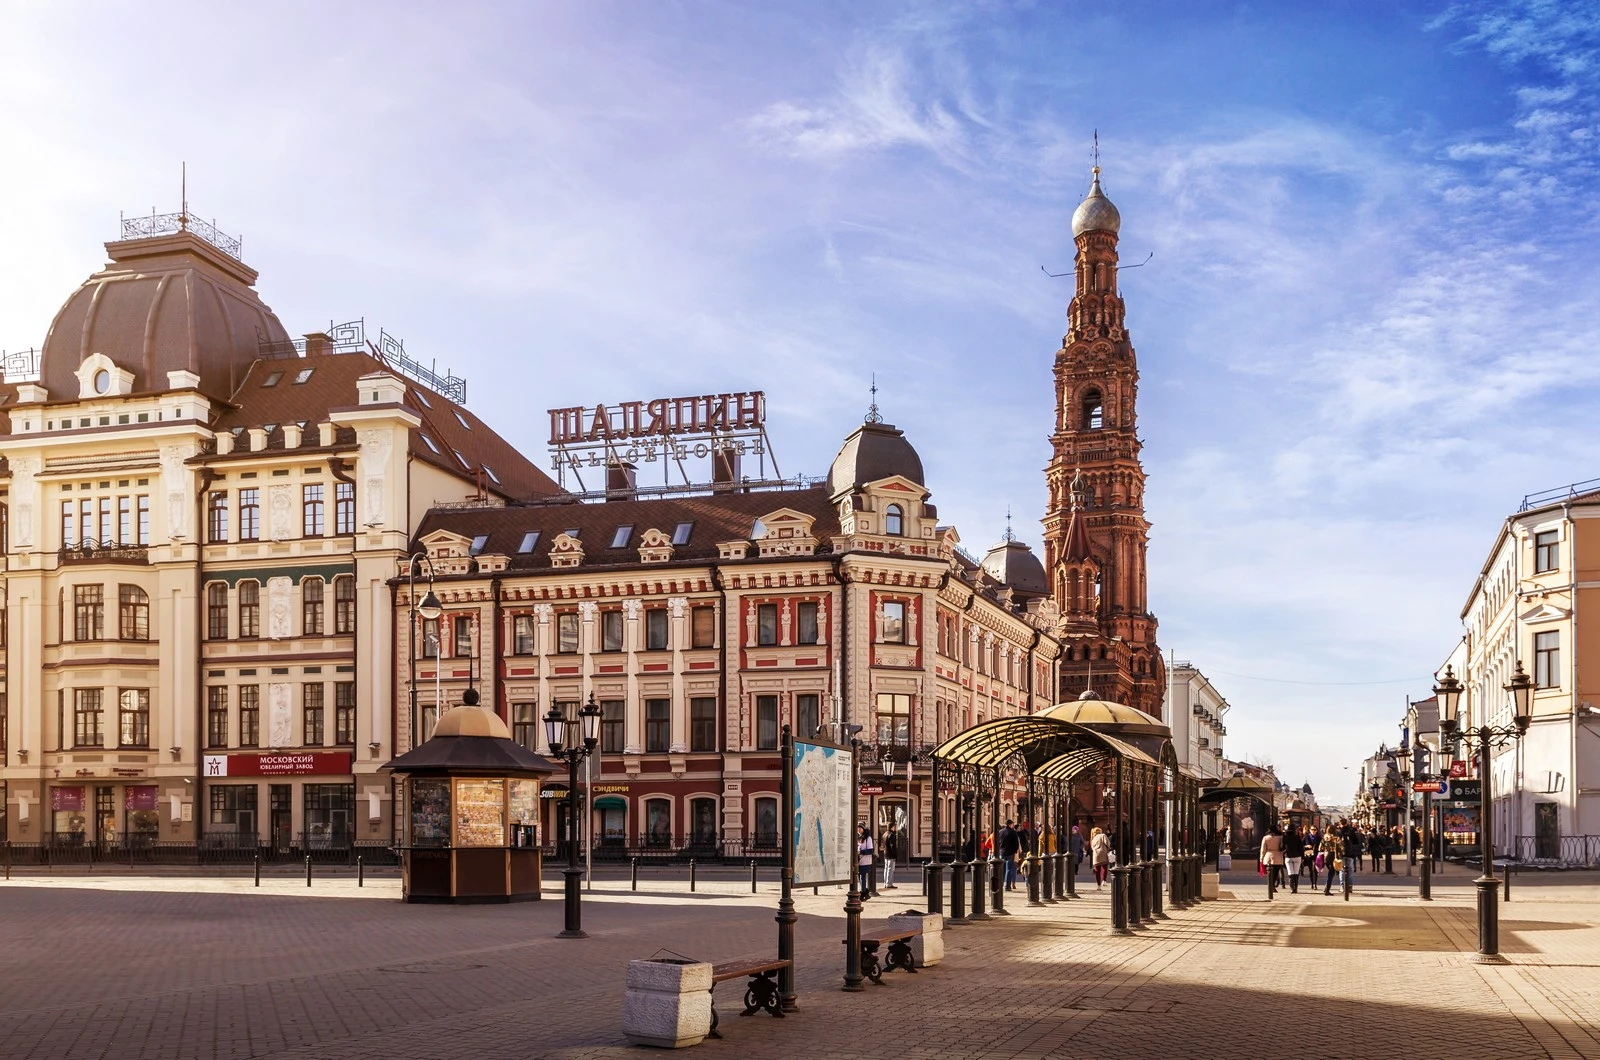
864	854
1010	845
1272	858
1332	852
1293	853
891	852
1075	846
1100	852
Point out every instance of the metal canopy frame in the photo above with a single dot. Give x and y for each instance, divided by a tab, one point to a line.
1228	790
1051	749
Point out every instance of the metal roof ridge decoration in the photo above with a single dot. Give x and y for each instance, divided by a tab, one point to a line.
166	224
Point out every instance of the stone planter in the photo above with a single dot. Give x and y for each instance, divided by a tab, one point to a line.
1208	886
928	947
668	1003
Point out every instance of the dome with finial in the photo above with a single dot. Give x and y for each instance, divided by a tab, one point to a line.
1013	564
875	450
1095	213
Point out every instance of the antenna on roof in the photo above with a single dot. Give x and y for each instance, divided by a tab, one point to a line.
183	195
873	415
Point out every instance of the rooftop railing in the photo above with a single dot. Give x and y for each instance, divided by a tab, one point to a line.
1560	493
163	224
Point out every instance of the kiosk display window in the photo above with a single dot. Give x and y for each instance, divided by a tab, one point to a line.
430	813
480	813
524	813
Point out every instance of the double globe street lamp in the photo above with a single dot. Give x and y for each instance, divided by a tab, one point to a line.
1488	737
573	736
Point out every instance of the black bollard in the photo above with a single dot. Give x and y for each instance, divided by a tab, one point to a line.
258	870
308	870
933	886
361	872
752	875
1119	901
691	874
958	893
633	874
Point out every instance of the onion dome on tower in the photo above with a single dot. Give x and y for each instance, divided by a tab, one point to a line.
1096	212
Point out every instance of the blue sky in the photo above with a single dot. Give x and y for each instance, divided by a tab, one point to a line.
1367	330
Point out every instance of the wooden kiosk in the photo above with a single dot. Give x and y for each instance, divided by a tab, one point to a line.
470	804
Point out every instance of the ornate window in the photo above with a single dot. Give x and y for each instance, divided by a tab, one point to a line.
893	521
344	604
311	607
134	718
249	609
217	611
133	613
88	612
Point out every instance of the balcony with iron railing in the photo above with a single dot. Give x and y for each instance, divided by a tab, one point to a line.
91	551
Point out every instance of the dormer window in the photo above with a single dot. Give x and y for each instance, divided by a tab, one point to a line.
1093	411
573	533
681	532
893	521
102	381
477	544
620	538
529	540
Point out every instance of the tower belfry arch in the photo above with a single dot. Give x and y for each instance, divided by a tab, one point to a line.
1095	529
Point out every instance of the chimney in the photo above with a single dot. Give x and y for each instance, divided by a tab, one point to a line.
724	469
622	481
318	344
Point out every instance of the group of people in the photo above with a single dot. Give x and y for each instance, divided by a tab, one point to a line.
1287	854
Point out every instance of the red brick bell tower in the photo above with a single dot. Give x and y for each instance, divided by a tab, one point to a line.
1096	484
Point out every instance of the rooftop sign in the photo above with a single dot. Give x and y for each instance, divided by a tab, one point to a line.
660	418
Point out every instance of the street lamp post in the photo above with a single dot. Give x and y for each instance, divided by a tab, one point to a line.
574	738
427	608
888	785
1488	737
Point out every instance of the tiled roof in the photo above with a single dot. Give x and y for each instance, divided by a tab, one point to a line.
332	384
715	518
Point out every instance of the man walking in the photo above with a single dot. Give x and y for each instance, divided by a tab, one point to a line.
1009	843
891	851
1077	849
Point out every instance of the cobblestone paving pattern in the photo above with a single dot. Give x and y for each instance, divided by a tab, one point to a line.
129	968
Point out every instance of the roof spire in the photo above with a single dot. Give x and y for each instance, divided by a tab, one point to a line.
873	415
1097	152
1009	535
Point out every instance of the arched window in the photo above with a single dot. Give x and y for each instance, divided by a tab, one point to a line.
133	613
344	604
249	609
217	611
766	837
658	822
703	822
893	521
1093	413
311	606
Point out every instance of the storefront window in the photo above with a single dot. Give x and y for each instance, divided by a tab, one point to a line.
330	808
67	813
430	813
480	813
233	812
658	823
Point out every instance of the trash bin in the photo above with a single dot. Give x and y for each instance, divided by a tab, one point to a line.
1224	862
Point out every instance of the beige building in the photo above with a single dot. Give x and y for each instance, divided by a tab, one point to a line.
1532	604
201	521
1193	710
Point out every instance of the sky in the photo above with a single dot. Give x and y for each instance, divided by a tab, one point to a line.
1367	326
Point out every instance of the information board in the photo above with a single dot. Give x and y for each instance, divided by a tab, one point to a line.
822	834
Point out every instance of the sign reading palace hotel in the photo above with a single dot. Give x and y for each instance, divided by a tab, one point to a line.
660	418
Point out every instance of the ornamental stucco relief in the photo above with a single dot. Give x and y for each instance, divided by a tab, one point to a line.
280	596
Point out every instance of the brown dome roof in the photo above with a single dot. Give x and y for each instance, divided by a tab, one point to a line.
1115	718
471	721
166	303
873	451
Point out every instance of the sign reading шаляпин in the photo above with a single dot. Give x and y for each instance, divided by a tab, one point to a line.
661	418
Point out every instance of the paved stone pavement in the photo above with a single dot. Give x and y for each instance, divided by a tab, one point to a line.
128	968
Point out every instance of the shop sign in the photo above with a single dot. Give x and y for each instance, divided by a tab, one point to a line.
610	789
1458	769
1434	786
280	764
872	789
141	796
1466	790
553	793
66	798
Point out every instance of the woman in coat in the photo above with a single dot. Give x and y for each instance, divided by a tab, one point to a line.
1100	851
1272	858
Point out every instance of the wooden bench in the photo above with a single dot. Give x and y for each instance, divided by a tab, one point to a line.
760	995
899	955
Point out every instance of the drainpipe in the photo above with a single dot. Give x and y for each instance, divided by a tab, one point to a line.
207	477
502	708
722	665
